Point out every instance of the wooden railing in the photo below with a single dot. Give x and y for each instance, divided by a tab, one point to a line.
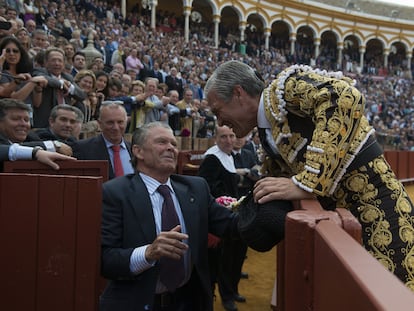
402	163
50	235
321	265
49	231
50	239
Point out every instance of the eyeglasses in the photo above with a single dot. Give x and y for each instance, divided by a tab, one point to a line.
15	51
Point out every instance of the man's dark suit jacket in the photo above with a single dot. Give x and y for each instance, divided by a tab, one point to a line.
158	75
220	180
4	153
175	83
128	222
251	147
32	140
50	97
47	134
94	148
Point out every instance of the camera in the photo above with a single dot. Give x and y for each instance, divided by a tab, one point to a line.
5	25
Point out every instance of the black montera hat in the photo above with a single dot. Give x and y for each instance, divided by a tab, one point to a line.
262	226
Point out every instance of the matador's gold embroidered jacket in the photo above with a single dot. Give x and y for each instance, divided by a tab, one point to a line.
317	124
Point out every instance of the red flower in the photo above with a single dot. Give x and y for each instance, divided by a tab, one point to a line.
226	201
185	132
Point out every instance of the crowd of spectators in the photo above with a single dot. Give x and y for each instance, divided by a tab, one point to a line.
132	51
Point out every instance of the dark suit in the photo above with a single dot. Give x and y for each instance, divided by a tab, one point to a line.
128	222
175	83
94	148
32	140
253	148
221	183
50	97
47	134
4	153
158	75
246	159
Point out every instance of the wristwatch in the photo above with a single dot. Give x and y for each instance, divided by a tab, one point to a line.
35	151
57	144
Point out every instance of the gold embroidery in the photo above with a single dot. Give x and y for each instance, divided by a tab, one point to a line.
393	247
340	129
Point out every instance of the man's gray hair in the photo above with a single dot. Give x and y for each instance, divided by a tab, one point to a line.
9	103
77	111
230	74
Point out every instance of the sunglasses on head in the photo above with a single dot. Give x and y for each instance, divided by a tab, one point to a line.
15	51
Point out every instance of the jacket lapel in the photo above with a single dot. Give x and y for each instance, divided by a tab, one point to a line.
140	202
188	204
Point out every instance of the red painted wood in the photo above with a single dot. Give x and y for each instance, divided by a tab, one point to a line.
402	158
349	278
50	231
74	168
18	239
392	159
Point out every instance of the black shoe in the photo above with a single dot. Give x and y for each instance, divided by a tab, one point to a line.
229	305
244	275
239	298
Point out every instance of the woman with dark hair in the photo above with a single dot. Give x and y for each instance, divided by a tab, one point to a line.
102	82
102	79
16	80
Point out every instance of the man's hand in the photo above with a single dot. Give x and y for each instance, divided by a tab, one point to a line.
66	86
278	188
49	158
167	244
39	81
22	77
64	149
242	171
165	100
141	97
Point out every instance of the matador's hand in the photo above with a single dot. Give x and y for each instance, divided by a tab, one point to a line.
278	188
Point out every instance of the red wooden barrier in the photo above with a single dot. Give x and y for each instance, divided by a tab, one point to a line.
402	163
50	236
75	168
322	267
346	277
188	162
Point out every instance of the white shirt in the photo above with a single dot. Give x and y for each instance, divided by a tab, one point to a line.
138	263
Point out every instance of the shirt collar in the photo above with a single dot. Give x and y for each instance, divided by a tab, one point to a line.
109	144
153	184
262	121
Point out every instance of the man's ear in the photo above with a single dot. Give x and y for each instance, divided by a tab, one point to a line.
136	151
238	91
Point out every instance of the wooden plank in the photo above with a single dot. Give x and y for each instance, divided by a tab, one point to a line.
346	277
392	159
51	235
403	165
410	164
57	243
88	283
350	224
18	238
73	168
